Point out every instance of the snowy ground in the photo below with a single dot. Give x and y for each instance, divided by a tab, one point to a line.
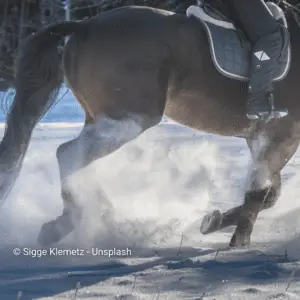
157	190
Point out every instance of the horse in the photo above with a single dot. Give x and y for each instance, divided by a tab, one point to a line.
127	67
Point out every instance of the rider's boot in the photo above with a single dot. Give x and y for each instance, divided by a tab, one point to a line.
266	55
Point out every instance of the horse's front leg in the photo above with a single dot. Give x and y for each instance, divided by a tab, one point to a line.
216	220
282	141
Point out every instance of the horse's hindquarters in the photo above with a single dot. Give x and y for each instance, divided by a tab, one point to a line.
117	69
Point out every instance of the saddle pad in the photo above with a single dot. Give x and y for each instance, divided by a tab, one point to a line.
231	52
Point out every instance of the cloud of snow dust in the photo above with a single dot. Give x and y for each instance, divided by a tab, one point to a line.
151	193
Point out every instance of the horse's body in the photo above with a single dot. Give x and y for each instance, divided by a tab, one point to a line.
128	67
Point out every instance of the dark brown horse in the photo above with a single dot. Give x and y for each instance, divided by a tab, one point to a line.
127	67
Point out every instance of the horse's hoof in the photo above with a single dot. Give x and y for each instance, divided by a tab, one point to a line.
49	234
240	240
211	222
52	232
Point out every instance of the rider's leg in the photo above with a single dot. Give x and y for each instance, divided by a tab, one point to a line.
269	39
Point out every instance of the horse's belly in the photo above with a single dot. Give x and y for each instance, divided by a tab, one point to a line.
207	118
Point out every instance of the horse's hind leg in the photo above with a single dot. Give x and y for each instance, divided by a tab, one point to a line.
96	140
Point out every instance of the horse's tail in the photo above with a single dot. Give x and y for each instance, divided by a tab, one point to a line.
37	81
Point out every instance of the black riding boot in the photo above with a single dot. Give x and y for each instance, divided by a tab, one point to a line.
266	54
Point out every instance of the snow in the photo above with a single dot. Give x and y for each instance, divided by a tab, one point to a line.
147	198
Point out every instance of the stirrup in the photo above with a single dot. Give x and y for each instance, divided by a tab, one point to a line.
271	114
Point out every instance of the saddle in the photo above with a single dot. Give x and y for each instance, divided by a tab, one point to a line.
229	48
